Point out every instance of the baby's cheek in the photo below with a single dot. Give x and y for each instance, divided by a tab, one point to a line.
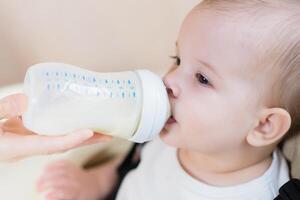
231	126
217	122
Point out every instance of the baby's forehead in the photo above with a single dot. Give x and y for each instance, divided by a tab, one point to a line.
243	36
225	41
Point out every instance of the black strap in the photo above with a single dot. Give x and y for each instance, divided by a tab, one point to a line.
130	162
290	190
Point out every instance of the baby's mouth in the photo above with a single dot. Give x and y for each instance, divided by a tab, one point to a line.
171	120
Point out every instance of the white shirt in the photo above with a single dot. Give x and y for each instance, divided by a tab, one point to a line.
160	176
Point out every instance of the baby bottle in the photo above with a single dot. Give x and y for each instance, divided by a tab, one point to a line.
62	98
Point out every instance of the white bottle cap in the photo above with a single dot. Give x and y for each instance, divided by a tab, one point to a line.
155	107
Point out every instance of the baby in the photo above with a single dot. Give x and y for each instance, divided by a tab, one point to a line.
234	92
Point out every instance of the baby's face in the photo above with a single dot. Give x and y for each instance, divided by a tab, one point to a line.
213	96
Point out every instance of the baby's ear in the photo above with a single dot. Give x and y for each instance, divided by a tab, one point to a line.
272	125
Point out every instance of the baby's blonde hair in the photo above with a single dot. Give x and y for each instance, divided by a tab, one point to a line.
284	51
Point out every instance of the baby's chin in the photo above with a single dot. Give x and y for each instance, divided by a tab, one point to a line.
169	137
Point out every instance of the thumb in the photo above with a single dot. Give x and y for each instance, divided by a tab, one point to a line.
48	145
13	105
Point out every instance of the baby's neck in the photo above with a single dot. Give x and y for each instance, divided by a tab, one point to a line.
218	172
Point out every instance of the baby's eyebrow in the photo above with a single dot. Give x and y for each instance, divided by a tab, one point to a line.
206	64
209	66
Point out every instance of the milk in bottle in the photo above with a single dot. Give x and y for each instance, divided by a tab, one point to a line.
62	98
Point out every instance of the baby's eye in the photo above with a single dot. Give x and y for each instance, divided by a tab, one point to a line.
177	60
202	79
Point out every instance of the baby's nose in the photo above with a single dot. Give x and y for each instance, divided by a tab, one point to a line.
171	85
170	93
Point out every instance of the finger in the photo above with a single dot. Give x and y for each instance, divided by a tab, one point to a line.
58	165
35	144
62	194
55	174
49	196
98	138
55	184
51	177
13	105
53	196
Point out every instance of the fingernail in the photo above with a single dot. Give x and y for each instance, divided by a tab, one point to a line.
87	133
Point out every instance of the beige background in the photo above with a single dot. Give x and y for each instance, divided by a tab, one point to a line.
98	35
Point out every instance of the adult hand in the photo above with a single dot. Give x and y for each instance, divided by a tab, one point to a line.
64	180
18	142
